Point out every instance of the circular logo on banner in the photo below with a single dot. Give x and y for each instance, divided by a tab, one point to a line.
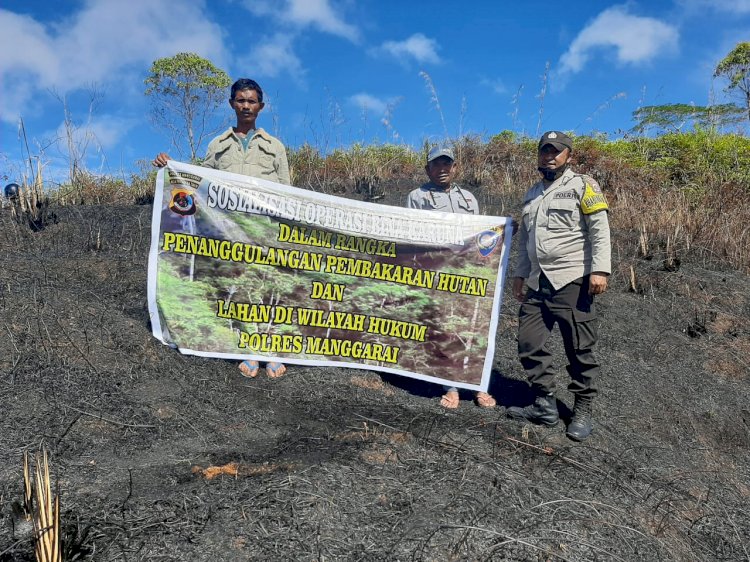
487	241
183	201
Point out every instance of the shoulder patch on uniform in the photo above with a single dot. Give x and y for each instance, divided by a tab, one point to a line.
593	200
592	183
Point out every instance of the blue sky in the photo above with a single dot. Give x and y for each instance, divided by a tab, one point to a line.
334	70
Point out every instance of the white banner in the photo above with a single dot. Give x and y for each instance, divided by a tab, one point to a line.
244	268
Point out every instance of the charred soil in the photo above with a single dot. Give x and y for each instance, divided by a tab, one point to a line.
160	456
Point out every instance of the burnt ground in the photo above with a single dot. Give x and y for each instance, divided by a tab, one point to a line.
160	456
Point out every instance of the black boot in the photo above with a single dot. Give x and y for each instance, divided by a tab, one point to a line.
543	411
580	426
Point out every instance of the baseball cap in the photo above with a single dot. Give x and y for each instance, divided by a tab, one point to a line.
558	139
439	151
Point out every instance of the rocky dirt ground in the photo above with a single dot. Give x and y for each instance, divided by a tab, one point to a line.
161	457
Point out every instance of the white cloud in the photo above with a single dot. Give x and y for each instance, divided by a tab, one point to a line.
25	45
98	132
319	13
369	102
420	48
305	13
272	57
496	85
103	42
636	39
276	55
101	133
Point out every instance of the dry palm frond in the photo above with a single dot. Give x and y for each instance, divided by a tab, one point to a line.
44	509
27	493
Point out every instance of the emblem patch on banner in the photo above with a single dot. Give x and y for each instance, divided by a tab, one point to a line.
487	242
182	201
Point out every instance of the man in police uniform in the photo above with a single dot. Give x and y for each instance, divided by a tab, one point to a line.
563	262
441	194
245	149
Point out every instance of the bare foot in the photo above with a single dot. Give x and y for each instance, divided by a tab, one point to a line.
450	400
484	400
275	370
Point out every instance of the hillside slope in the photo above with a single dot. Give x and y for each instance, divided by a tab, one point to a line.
166	457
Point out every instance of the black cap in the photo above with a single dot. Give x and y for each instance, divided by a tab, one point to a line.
558	139
11	190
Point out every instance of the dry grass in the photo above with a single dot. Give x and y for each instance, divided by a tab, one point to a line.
669	220
32	204
672	210
673	223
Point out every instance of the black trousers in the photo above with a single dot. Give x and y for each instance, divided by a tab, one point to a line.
572	309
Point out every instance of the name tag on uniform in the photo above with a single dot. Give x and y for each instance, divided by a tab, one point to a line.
565	195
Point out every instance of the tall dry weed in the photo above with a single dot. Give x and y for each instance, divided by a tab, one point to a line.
31	206
542	95
435	99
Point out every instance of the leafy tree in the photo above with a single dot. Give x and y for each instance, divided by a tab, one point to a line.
185	91
674	116
735	67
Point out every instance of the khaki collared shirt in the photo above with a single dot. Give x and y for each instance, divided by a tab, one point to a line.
453	200
561	234
264	158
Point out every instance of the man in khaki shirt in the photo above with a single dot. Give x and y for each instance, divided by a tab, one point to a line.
243	149
564	260
441	194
